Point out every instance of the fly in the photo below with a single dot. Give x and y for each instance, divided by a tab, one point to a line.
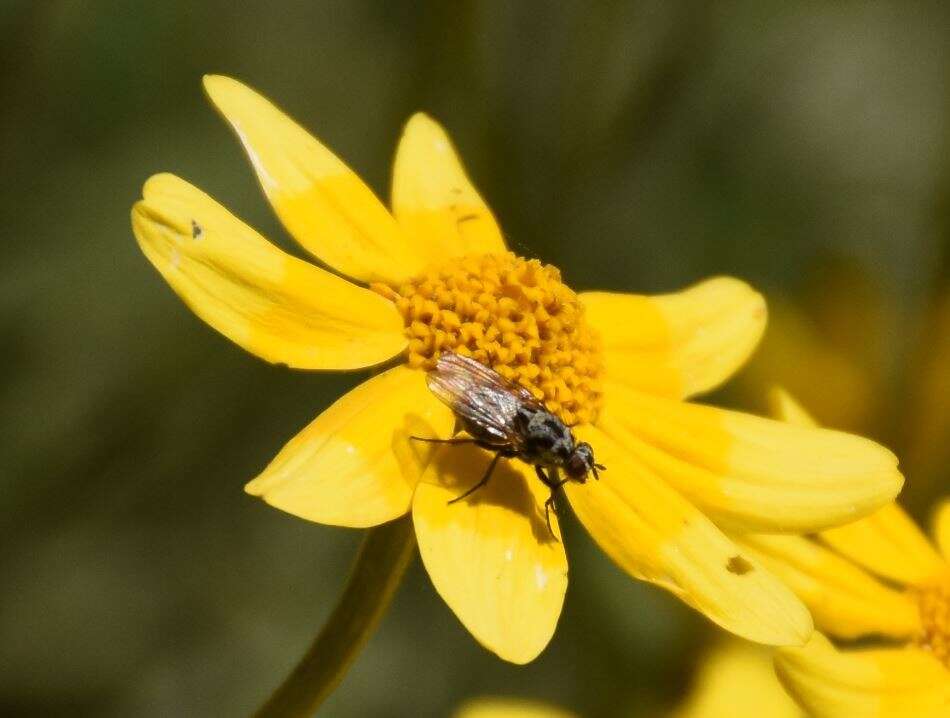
504	417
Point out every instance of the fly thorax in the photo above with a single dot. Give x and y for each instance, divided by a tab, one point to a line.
548	439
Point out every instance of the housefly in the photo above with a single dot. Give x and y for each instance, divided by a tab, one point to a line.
505	418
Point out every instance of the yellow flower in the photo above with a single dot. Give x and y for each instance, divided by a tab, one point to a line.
435	275
877	577
498	707
860	363
737	680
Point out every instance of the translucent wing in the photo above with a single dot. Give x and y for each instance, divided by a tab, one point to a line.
486	402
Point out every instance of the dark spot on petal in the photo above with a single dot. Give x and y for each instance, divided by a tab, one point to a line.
196	230
738	565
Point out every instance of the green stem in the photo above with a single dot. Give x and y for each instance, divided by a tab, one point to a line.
380	564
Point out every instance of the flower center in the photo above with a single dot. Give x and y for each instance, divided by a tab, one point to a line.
933	602
512	314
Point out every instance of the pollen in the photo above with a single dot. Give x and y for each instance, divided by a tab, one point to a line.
512	314
933	602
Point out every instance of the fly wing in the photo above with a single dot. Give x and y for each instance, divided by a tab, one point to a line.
456	364
482	398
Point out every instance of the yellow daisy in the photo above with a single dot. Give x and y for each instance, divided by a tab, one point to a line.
846	350
434	275
877	577
736	680
502	707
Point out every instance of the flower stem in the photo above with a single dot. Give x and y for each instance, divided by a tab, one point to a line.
380	564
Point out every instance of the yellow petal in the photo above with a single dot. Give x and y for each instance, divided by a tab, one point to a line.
509	708
322	203
842	598
355	465
681	344
737	681
654	534
274	305
888	543
490	555
941	523
891	683
784	407
752	473
433	198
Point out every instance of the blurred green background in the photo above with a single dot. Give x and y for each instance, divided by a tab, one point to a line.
638	146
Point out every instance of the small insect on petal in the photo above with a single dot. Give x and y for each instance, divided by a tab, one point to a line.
504	417
739	566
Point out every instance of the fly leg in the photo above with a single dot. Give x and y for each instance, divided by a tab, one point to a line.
463	440
548	505
551	503
504	449
484	480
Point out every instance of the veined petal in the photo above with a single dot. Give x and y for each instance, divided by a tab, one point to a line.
490	555
889	543
355	465
321	201
941	522
434	200
274	305
889	683
737	680
751	473
654	534
842	598
678	345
